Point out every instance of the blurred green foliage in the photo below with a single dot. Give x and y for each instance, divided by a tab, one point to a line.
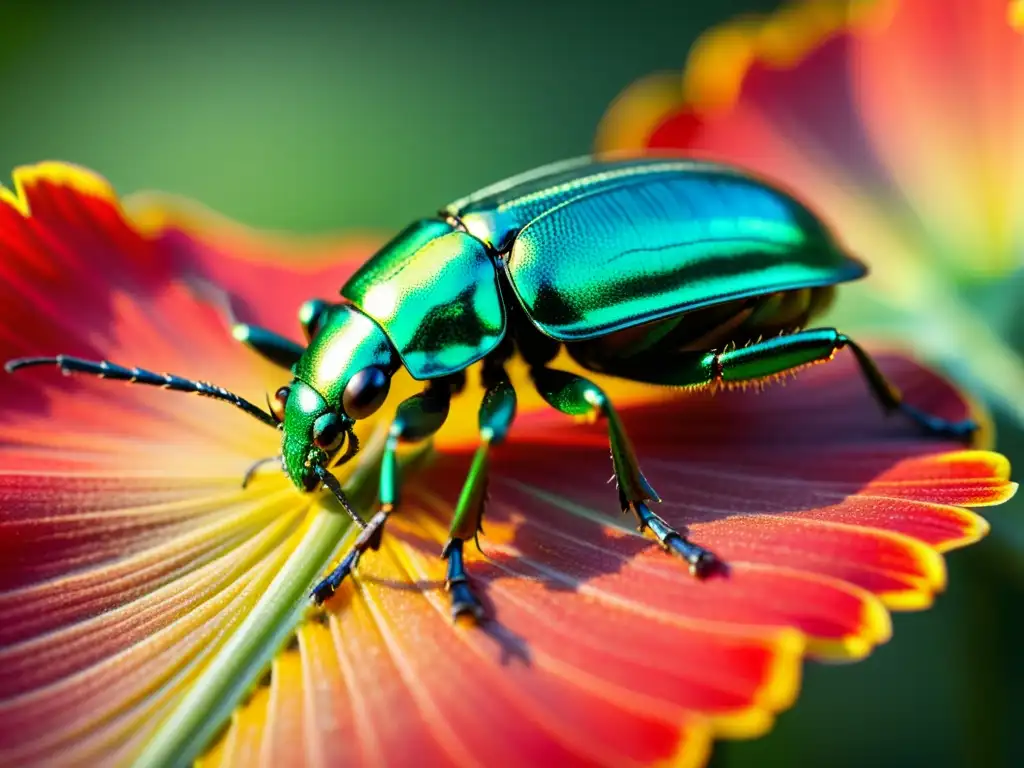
315	116
330	115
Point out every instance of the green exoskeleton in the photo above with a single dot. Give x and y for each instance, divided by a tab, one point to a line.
664	271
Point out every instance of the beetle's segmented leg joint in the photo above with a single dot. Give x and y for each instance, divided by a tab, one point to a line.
464	601
702	562
332	484
369	538
326	588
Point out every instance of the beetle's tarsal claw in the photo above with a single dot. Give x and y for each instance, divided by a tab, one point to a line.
368	538
326	588
702	562
957	430
464	601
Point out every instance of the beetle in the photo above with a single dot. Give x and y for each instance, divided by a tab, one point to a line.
662	270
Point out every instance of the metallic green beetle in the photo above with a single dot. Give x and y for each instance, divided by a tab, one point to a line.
665	271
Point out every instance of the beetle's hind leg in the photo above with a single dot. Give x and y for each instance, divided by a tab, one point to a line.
771	357
577	396
774	356
892	399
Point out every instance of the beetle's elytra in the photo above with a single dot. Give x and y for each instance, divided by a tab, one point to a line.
665	271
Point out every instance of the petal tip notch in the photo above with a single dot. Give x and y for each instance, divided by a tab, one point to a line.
30	181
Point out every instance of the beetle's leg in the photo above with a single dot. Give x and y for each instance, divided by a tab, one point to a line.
786	353
497	411
892	399
311	315
277	349
417	418
576	396
257	465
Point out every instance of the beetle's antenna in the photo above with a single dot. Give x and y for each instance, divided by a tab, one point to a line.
108	370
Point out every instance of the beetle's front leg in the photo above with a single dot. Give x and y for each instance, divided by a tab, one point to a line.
277	349
416	419
497	411
576	396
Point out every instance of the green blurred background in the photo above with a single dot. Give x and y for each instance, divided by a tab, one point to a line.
329	115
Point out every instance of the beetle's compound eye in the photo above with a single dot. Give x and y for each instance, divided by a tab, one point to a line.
327	432
278	402
365	392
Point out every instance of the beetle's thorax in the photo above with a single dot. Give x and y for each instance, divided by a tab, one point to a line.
433	290
347	342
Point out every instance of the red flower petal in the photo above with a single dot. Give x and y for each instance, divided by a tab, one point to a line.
773	95
946	122
898	126
129	554
268	275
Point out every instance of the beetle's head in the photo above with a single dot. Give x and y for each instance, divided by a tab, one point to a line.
343	376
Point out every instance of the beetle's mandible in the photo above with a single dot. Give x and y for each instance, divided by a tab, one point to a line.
660	270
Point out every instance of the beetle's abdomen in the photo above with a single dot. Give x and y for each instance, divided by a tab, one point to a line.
734	323
661	244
